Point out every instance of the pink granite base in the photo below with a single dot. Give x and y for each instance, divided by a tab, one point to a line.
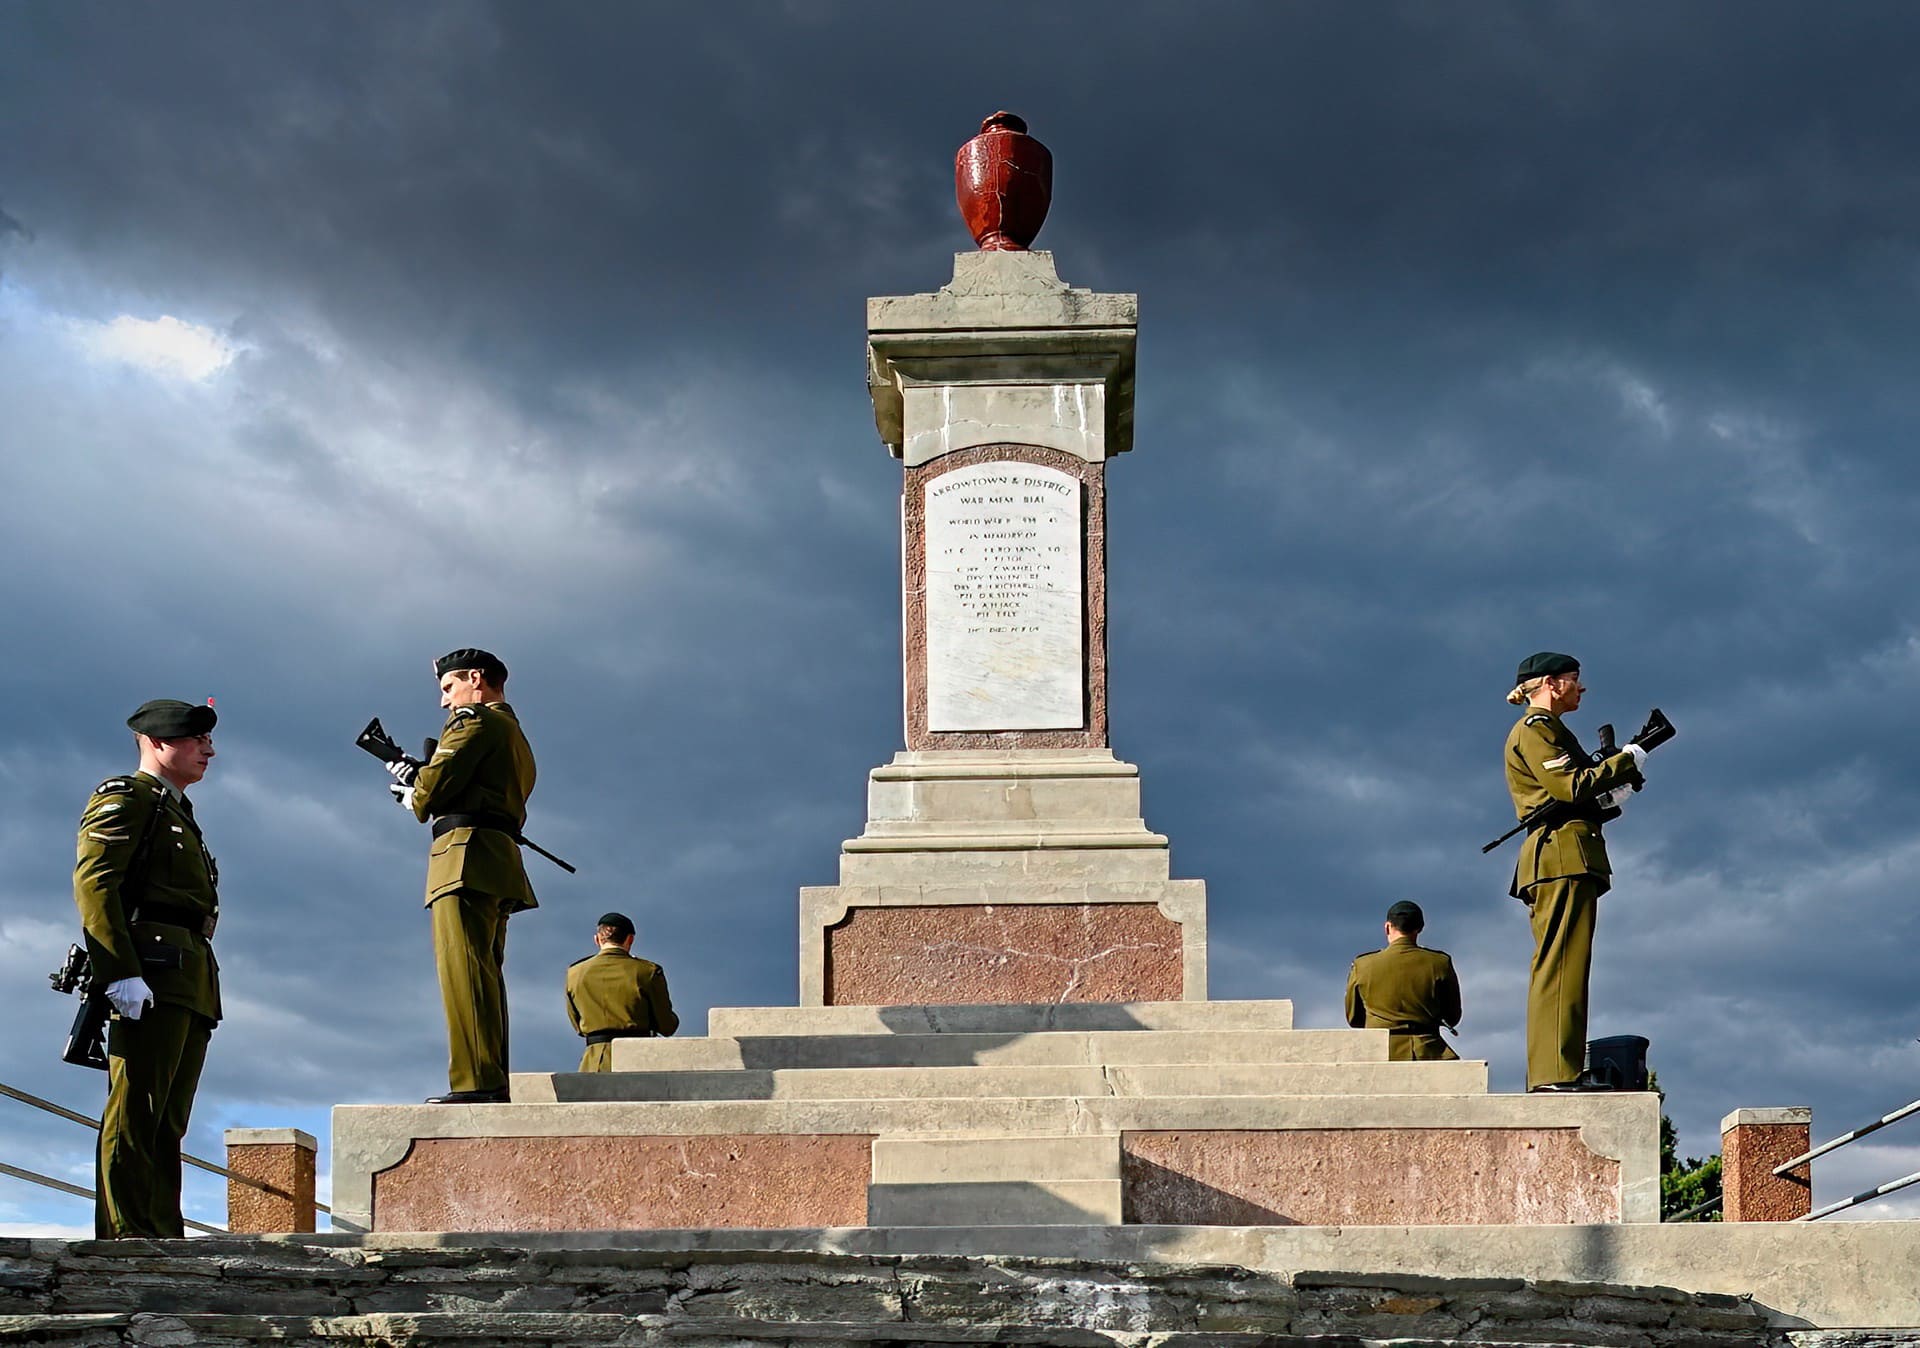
1367	1177
625	1183
947	955
1750	1191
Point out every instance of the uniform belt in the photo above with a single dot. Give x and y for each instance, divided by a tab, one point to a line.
499	823
177	915
608	1036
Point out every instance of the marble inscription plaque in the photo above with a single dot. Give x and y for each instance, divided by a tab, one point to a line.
1004	597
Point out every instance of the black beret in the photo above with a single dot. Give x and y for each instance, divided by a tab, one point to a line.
620	924
1544	664
165	719
1406	916
469	657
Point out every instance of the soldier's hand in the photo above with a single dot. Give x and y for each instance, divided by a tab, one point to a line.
1639	758
1615	799
129	996
405	769
403	794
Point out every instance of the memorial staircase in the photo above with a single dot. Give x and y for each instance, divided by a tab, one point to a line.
999	1115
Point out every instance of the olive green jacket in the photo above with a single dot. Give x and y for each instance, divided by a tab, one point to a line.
1408	990
614	990
178	871
1545	762
483	765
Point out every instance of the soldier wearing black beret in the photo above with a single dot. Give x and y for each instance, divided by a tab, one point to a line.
474	792
1406	990
1562	869
146	887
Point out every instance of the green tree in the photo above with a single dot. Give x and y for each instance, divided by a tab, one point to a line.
1683	1184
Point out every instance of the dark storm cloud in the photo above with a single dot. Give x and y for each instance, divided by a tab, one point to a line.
1466	332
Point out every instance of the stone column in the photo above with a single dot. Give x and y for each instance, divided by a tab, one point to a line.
1004	857
1752	1143
280	1157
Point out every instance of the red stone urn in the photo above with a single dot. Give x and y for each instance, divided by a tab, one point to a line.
1003	180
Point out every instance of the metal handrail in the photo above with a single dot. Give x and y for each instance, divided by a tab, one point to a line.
1865	1195
1695	1210
74	1189
1845	1138
65	1113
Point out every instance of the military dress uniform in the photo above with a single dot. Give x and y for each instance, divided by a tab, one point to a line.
145	885
616	995
1560	875
1410	992
474	790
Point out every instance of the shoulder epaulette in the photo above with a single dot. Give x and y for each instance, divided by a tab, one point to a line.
115	786
1363	954
583	959
1538	718
465	714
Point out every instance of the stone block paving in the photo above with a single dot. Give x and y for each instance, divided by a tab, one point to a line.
238	1293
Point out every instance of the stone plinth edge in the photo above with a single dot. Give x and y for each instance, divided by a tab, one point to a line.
1003	344
1782	1114
268	1137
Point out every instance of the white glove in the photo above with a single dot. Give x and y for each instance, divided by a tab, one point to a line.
1639	757
129	996
403	794
404	770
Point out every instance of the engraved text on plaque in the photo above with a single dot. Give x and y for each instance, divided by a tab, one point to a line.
1004	597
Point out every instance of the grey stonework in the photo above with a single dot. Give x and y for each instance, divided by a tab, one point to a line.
237	1293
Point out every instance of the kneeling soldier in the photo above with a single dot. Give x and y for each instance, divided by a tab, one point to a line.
616	995
1408	991
145	885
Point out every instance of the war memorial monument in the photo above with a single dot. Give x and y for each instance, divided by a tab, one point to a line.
1003	1107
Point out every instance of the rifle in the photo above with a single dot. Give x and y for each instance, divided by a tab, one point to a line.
376	741
1656	732
86	1040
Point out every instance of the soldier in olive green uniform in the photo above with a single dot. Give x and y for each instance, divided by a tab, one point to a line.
145	886
615	995
1562	870
474	789
1406	990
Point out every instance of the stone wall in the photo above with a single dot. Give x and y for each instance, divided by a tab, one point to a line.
167	1294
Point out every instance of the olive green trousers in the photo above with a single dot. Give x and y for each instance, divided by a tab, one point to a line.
1563	917
153	1070
470	953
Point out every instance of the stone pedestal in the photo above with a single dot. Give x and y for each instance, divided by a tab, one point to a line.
1752	1143
1004	857
281	1158
1021	875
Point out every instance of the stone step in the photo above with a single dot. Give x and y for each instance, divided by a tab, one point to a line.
996	1203
1057	1048
486	1329
998	1018
975	1159
1018	1083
